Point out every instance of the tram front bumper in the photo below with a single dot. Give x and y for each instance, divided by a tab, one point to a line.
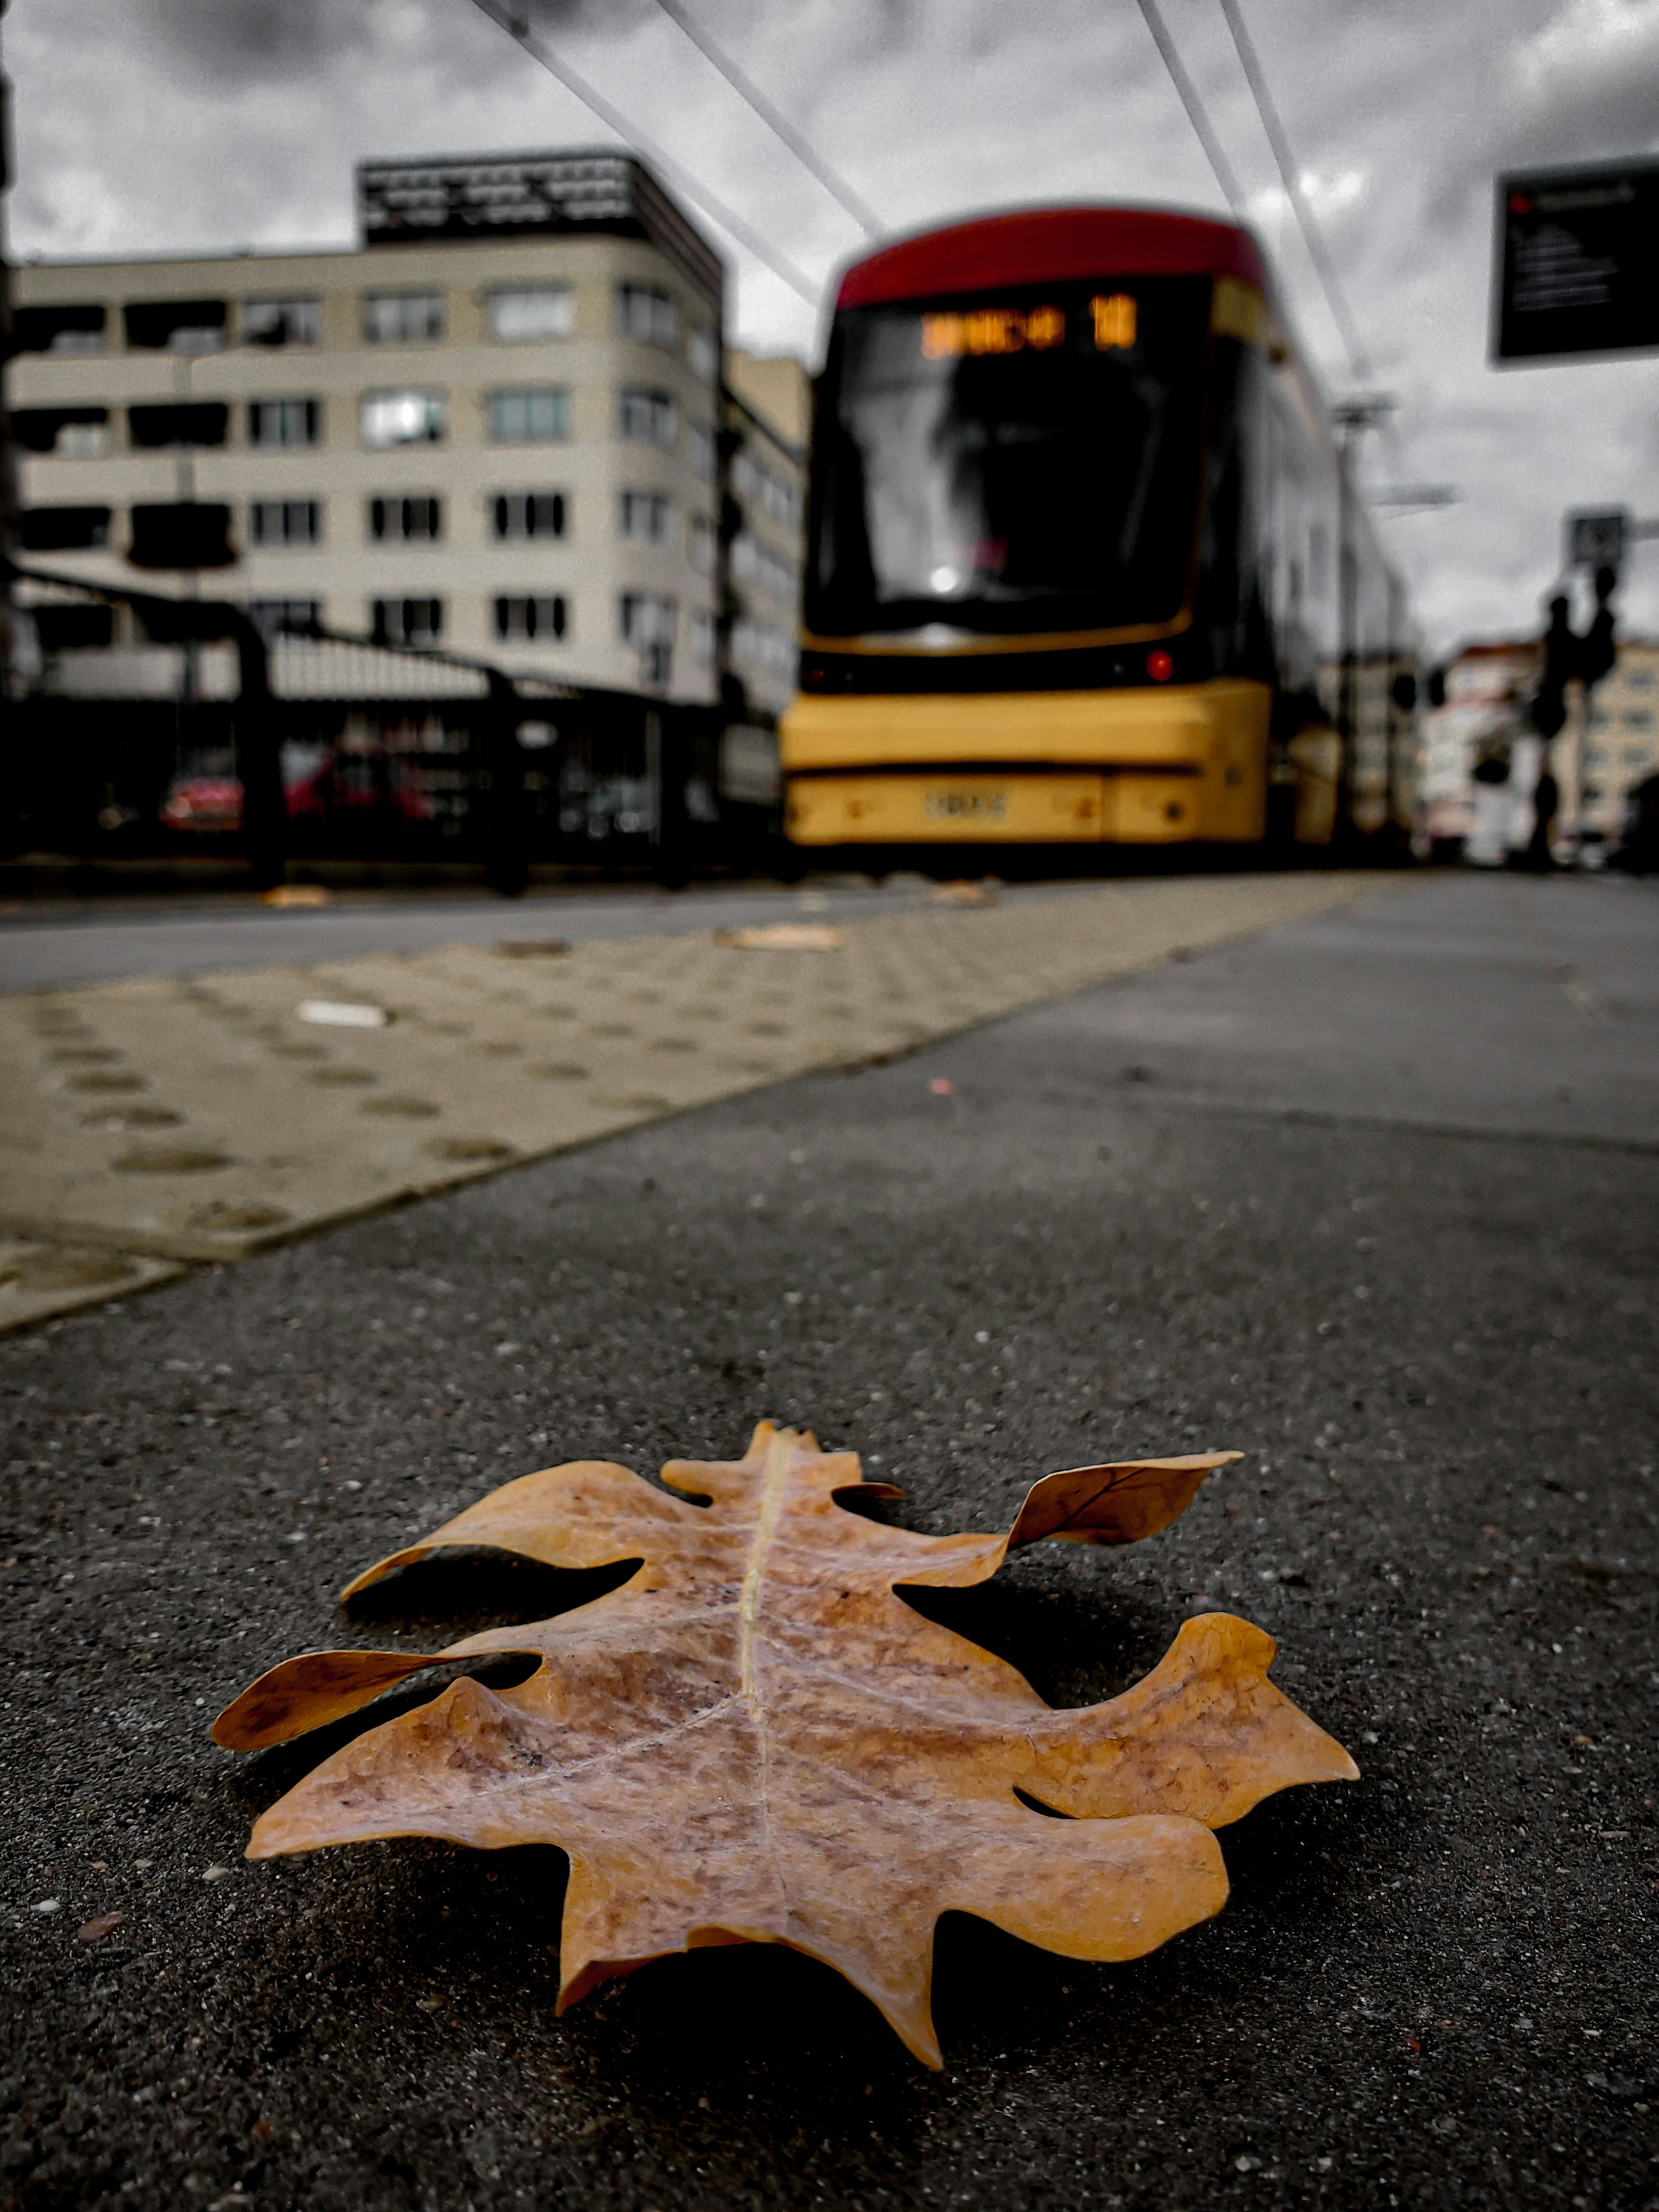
1136	766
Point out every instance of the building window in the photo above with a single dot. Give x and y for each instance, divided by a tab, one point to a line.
702	638
59	330
643	618
281	322
646	622
285	522
71	433
532	416
767	651
544	310
643	515
175	325
60	628
403	418
753	481
406	522
643	311
650	417
754	563
155	429
542	618
702	350
275	619
701	545
273	423
403	317
1638	718
528	514
701	442
63	529
186	533
408	621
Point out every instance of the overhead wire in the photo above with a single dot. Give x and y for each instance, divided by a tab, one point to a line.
1278	138
1290	176
517	27
1190	100
775	121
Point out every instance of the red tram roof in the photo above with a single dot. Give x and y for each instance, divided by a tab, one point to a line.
1045	245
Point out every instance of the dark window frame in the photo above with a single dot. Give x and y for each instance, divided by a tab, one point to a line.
257	508
522	608
306	309
39	321
403	632
148	422
160	319
278	406
28	423
400	509
57	529
501	504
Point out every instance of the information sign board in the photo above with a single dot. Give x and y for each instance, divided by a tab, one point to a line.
1577	262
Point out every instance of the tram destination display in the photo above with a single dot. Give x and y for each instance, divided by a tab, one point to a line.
1577	262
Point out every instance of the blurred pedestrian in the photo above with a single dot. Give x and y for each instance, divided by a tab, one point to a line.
1638	850
1488	838
1546	800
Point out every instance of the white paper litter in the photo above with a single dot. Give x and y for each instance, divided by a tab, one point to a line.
341	1014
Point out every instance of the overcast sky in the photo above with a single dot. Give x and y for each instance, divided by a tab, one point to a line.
151	126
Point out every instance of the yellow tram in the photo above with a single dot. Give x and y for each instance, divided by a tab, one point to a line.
1084	564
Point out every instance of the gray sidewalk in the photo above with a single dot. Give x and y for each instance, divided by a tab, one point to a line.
1318	1196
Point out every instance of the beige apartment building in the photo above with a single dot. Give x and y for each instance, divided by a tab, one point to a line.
765	415
495	427
1621	741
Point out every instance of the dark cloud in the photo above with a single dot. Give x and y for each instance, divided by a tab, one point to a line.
253	41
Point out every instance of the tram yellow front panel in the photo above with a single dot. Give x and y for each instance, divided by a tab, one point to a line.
1140	765
850	810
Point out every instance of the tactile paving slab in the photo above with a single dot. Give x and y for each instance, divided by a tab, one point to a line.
201	1119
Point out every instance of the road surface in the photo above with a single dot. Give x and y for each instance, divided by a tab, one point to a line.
1370	1198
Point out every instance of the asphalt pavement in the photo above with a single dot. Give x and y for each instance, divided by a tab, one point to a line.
1370	1198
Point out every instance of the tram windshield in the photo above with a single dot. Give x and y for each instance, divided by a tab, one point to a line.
1018	463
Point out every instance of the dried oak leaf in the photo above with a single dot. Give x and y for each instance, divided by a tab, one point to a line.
755	1740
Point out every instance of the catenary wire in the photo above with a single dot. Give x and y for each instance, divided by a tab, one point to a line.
517	27
775	121
1324	267
1195	106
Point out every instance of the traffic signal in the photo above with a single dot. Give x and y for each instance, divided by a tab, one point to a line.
1548	710
1598	651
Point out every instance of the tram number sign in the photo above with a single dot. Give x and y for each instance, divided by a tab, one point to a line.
1577	262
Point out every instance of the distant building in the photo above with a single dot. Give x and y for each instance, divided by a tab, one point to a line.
494	427
765	419
1486	687
1620	745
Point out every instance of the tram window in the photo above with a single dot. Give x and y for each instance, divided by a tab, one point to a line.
1028	463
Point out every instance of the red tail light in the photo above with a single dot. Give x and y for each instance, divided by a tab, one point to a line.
1159	667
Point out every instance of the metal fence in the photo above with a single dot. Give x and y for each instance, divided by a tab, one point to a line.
203	736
